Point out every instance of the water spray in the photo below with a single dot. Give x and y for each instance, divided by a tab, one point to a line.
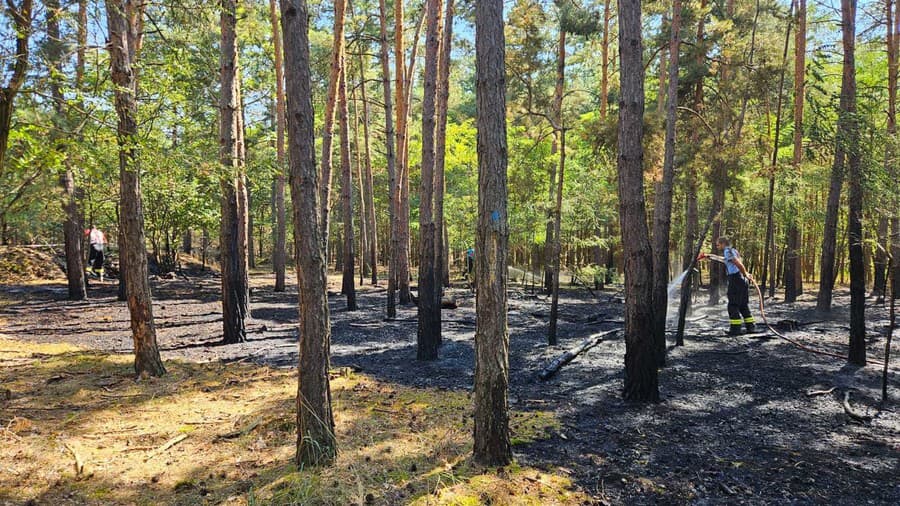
762	313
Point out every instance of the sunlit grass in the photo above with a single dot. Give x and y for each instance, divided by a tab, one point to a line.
398	445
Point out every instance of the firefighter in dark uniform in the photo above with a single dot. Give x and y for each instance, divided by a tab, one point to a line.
738	288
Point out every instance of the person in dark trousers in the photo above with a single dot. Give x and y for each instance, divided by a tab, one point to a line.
98	243
738	288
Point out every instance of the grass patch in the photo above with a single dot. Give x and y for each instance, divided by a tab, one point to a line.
398	445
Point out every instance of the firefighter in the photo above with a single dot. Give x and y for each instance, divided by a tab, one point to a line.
738	287
98	242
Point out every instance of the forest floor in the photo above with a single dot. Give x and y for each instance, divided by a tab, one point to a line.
737	423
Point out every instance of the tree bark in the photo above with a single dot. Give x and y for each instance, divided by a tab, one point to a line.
72	226
549	241
641	382
793	285
442	266
316	442
492	443
349	263
401	213
770	275
337	67
278	251
368	185
857	353
662	213
233	239
604	60
557	246
22	20
390	161
429	328
122	48
842	153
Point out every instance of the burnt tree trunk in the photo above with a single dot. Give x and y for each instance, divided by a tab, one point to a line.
792	280
442	265
367	185
233	239
841	156
123	46
857	354
316	442
390	161
349	264
492	443
429	328
662	213
641	381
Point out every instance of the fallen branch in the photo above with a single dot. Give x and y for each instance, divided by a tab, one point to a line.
237	433
849	411
813	393
170	443
568	356
79	462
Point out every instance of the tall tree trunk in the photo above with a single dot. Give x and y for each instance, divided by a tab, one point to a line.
123	46
234	232
662	213
368	185
22	20
349	264
691	182
857	354
549	241
792	281
278	251
401	213
442	265
641	381
883	249
316	442
492	443
557	245
770	275
390	161
893	171
337	67
841	155
72	225
363	205
429	329
604	60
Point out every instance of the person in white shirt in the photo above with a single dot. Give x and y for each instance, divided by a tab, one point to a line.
98	244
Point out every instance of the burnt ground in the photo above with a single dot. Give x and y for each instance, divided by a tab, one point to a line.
735	425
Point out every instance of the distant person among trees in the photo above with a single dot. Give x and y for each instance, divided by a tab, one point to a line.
470	261
738	287
98	244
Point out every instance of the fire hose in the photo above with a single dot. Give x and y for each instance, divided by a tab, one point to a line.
796	344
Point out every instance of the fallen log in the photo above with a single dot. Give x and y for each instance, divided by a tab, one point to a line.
568	356
849	411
